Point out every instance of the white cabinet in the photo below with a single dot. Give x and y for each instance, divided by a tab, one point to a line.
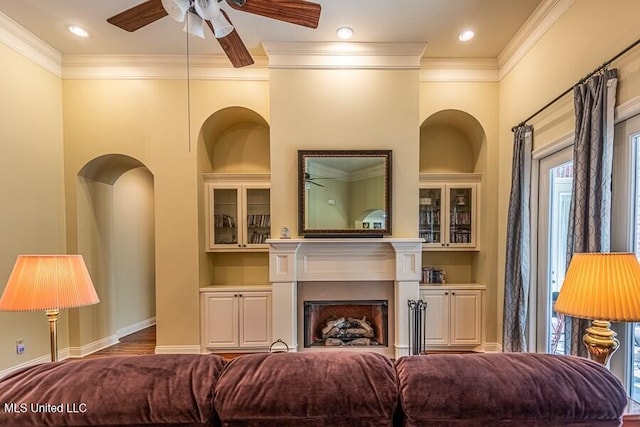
237	212
236	318
448	211
453	315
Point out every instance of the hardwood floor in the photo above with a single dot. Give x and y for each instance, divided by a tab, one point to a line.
144	342
138	343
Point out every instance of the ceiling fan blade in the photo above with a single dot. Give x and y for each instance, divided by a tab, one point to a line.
299	12
234	47
139	16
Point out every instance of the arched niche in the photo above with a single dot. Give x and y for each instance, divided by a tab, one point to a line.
234	140
452	141
116	236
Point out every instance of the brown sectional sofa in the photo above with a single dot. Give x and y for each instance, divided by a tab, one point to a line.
329	388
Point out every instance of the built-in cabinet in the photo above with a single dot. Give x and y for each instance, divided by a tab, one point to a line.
454	315
236	319
238	213
448	211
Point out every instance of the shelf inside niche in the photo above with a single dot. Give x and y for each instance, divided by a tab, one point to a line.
459	266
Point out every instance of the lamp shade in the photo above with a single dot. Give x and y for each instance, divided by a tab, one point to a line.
601	286
48	282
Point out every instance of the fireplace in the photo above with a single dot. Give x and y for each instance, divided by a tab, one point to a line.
346	323
340	271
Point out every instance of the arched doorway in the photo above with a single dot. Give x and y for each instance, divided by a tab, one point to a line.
116	235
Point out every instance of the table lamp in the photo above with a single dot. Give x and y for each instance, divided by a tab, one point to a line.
48	283
603	287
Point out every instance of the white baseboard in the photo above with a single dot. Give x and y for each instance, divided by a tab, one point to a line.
178	349
103	343
75	352
492	347
128	330
32	362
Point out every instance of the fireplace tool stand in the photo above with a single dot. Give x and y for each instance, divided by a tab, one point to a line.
417	326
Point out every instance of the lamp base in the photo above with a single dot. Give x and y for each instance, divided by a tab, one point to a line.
52	317
600	341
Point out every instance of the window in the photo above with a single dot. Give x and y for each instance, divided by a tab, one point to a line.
625	237
635	176
555	181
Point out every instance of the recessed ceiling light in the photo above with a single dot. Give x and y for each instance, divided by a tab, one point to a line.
78	31
466	35
344	33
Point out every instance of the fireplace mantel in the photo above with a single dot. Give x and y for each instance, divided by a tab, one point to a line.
291	261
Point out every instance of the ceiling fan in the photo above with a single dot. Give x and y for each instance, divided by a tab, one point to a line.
308	179
196	12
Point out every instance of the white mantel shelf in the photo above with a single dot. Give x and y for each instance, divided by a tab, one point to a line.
343	260
341	240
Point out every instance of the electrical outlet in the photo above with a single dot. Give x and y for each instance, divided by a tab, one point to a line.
19	346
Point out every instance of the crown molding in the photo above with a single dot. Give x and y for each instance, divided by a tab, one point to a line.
165	67
28	45
287	55
542	18
331	55
459	70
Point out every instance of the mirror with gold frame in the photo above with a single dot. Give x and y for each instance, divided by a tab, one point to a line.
344	193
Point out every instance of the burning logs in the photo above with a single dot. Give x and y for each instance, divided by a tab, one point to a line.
348	331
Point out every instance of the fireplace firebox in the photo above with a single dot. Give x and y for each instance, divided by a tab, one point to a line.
346	323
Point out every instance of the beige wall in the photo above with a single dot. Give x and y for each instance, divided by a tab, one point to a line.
478	101
134	248
95	227
344	109
147	120
587	34
31	190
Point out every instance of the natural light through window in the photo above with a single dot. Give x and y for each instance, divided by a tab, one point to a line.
635	387
561	179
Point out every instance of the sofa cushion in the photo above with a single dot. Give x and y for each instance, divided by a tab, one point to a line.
167	390
515	388
332	388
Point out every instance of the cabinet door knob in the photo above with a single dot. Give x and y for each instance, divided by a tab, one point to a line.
446	293
240	295
453	293
235	295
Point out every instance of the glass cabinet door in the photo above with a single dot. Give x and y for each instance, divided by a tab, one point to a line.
460	215
430	227
224	219
258	227
447	216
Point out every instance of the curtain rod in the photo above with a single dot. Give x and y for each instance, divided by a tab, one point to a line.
604	65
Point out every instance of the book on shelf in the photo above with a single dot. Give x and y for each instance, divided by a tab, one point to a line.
259	221
224	221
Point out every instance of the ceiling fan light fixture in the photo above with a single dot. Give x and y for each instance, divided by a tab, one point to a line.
194	25
344	33
221	27
177	9
207	9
